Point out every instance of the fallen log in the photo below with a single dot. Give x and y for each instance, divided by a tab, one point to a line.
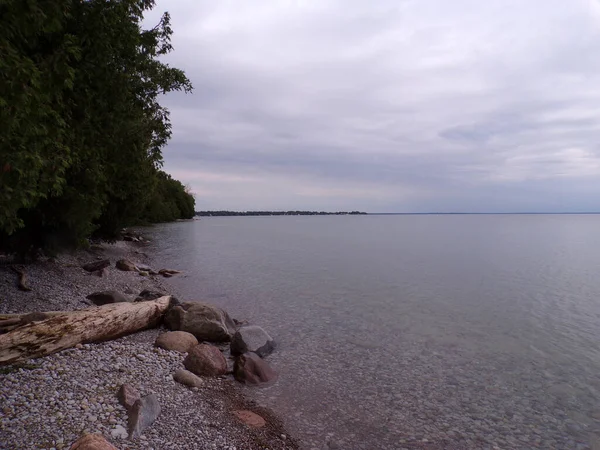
62	330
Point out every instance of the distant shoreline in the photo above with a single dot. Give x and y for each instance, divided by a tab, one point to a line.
276	213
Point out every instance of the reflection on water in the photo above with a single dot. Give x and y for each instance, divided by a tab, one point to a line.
413	331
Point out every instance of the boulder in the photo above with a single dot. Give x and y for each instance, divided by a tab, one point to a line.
250	368
126	265
206	322
143	414
252	339
249	418
92	442
179	341
187	378
206	360
106	297
127	396
147	295
96	265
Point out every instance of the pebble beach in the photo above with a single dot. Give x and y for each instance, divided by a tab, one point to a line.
48	403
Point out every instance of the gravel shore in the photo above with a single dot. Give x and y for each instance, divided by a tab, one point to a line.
48	403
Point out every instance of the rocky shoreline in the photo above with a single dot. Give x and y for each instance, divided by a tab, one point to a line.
51	402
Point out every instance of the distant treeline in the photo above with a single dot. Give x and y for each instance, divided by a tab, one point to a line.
276	213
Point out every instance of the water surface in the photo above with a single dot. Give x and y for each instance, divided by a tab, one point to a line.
413	331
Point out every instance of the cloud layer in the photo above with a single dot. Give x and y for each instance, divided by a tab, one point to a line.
391	105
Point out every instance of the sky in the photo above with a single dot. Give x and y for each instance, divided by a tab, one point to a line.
387	105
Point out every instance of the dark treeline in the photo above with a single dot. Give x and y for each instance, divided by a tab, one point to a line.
81	126
276	213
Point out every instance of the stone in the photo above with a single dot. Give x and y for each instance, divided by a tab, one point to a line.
252	339
100	273
250	368
147	295
206	322
106	297
119	432
206	360
96	265
179	341
168	272
187	378
126	265
250	418
143	414
92	442
127	396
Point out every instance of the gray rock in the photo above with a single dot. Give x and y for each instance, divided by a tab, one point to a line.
143	414
206	360
96	265
106	297
252	339
250	368
206	322
187	378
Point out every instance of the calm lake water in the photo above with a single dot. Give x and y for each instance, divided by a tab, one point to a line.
412	331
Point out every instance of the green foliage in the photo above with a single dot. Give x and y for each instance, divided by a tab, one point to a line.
81	128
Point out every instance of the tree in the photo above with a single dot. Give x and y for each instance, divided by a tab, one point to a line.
82	128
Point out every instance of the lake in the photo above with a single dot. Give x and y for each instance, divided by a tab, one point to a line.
412	331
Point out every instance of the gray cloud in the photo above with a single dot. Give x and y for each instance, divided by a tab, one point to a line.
388	106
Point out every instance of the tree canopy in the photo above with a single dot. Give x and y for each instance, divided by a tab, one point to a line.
81	126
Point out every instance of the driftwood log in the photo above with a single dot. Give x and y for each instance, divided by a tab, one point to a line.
41	334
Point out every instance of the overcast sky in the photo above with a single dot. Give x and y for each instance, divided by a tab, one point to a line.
387	105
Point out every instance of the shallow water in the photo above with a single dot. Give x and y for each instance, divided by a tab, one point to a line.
413	331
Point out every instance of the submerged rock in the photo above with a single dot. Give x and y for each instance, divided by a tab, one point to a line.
206	322
179	341
206	360
250	418
106	297
250	368
252	339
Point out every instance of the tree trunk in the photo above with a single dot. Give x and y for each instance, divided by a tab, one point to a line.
60	330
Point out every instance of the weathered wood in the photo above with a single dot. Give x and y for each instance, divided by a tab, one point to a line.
22	282
62	330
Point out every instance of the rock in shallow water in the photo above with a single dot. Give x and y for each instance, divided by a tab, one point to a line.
206	322
143	414
250	368
249	418
206	360
252	339
179	341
